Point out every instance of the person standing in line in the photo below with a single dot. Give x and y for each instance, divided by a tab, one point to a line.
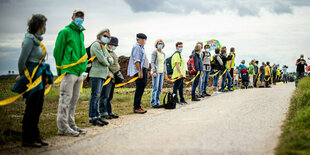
137	67
206	59
300	70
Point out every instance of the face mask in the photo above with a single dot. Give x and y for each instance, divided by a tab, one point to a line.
180	49
207	50
160	46
44	31
113	48
104	40
78	21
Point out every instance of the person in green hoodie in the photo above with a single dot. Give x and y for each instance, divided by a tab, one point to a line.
71	59
251	73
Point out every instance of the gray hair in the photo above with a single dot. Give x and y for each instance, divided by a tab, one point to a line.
102	32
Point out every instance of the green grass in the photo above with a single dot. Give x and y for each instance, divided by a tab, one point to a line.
11	115
295	138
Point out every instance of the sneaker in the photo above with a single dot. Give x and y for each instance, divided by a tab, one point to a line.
39	140
81	131
184	102
199	96
69	133
139	111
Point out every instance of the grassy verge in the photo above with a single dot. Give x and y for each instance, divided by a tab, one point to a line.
295	138
11	115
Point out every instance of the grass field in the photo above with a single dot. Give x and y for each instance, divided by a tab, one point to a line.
11	115
295	138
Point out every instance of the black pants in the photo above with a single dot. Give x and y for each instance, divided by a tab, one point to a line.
140	86
31	118
109	107
179	85
255	80
231	72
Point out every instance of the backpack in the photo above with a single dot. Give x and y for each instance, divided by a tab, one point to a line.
169	65
171	102
215	65
191	65
89	63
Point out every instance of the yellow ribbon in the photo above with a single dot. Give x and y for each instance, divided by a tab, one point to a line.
107	81
81	60
223	73
130	81
173	80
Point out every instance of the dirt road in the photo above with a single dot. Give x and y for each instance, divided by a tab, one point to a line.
241	122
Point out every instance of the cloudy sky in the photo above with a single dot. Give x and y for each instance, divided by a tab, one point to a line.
268	30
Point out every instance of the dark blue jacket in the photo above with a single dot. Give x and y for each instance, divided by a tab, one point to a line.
198	61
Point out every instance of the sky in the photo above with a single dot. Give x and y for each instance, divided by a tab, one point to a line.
266	30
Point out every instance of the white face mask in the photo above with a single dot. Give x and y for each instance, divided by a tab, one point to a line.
207	50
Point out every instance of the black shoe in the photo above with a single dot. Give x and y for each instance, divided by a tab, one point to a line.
31	144
106	117
156	106
96	122
198	96
195	99
41	142
184	102
103	122
114	116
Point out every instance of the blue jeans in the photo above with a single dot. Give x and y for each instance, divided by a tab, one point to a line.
179	85
205	79
96	88
226	75
195	84
157	86
284	78
216	79
261	78
105	106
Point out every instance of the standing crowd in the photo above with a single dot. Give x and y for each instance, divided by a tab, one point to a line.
72	59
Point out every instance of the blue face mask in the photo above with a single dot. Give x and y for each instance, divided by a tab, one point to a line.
180	49
78	21
113	48
44	31
104	40
160	46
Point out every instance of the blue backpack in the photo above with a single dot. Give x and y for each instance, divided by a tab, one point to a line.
169	65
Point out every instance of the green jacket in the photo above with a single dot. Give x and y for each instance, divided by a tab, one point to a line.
251	69
69	48
100	66
114	67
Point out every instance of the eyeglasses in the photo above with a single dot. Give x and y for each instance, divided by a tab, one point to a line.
106	36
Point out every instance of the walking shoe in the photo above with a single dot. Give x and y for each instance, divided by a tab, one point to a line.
96	122
106	117
69	133
184	102
113	115
31	144
199	96
103	122
39	140
81	131
205	94
195	99
139	111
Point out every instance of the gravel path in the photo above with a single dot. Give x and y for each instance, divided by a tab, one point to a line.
241	122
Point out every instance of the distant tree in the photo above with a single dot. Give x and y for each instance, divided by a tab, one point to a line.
12	72
9	72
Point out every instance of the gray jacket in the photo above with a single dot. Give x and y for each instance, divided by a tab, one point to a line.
154	62
31	51
206	60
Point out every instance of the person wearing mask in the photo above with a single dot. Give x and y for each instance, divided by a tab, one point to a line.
231	64
206	59
159	72
137	67
69	48
32	55
98	74
114	69
225	71
198	68
179	71
251	73
256	73
267	74
218	65
284	69
300	70
200	94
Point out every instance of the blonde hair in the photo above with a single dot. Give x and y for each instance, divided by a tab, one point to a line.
197	47
159	40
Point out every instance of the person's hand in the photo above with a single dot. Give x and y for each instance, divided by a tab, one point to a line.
198	72
17	78
181	76
45	80
166	77
140	75
154	74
